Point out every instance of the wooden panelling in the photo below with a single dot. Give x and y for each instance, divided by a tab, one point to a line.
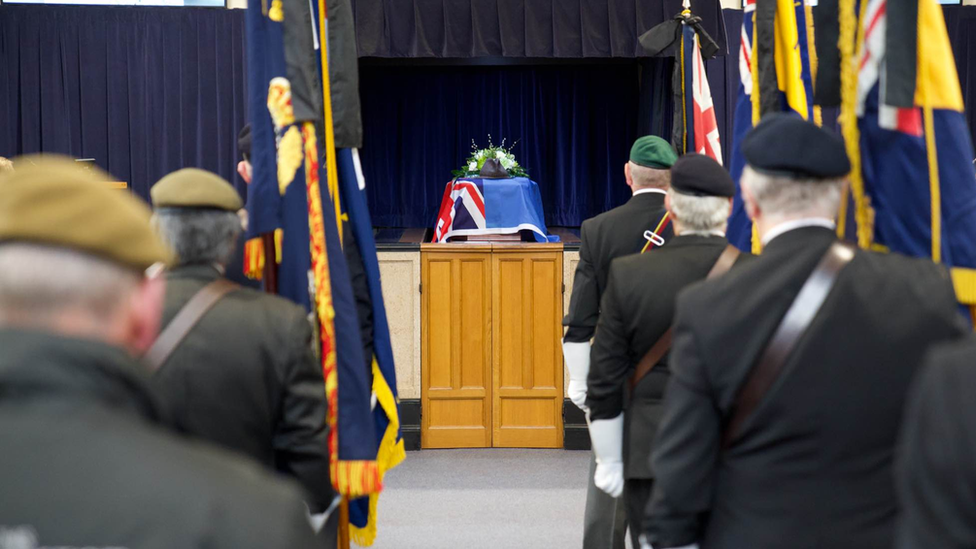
526	358
456	348
400	272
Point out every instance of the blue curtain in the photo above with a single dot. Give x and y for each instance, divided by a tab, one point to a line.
144	91
574	125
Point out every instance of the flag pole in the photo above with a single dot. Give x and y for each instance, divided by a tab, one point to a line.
344	523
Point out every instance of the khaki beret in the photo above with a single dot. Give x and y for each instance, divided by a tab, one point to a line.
195	188
50	200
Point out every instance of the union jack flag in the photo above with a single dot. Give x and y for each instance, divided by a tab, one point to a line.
462	208
706	138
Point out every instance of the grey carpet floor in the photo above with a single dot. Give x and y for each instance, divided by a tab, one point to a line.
493	498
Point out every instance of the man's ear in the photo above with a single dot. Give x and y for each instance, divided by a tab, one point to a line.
749	202
145	311
244	168
630	180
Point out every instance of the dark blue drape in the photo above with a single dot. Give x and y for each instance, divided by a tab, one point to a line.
144	91
574	124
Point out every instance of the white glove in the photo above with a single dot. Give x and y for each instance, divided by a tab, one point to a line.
645	545
607	436
577	357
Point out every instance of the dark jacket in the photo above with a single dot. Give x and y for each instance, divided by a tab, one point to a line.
813	465
246	379
85	461
610	235
636	310
936	474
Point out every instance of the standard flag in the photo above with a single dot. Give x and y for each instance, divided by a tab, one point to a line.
288	193
695	128
777	65
389	444
915	192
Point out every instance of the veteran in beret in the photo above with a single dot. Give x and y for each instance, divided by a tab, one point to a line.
88	457
640	224
243	374
789	373
629	365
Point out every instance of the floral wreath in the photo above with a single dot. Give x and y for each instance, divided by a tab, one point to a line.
474	163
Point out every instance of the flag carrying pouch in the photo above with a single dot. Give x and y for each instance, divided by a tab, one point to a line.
798	318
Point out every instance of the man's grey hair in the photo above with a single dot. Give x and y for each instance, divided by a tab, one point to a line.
37	282
199	236
700	213
782	195
649	178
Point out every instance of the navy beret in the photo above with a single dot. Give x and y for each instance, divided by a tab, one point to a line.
785	144
699	175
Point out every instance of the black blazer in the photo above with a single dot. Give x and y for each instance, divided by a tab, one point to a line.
936	475
814	465
610	235
636	309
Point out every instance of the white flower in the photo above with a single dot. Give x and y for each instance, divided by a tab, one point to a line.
473	166
507	163
480	155
499	154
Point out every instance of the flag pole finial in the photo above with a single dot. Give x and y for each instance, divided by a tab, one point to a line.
686	4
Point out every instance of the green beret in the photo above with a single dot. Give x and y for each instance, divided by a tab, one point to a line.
651	151
195	188
50	200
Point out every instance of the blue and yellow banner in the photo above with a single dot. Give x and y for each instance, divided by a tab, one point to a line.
916	193
289	193
777	65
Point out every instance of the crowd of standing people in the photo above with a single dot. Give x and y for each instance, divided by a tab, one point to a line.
813	396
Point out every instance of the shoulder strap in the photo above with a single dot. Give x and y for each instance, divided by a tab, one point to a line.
654	238
794	324
663	345
185	320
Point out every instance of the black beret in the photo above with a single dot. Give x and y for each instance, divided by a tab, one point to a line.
699	175
244	142
785	144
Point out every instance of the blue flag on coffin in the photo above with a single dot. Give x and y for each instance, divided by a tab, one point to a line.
919	185
777	62
477	206
389	445
285	193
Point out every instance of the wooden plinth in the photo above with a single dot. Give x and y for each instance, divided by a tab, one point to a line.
491	364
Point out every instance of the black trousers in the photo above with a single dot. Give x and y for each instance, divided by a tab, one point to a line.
637	494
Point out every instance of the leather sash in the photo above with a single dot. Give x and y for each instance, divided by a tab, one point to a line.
184	321
663	345
798	318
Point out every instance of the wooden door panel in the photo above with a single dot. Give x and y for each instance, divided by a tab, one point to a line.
456	351
526	360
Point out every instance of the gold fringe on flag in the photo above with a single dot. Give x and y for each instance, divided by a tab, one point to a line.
254	260
351	478
390	453
812	56
851	39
